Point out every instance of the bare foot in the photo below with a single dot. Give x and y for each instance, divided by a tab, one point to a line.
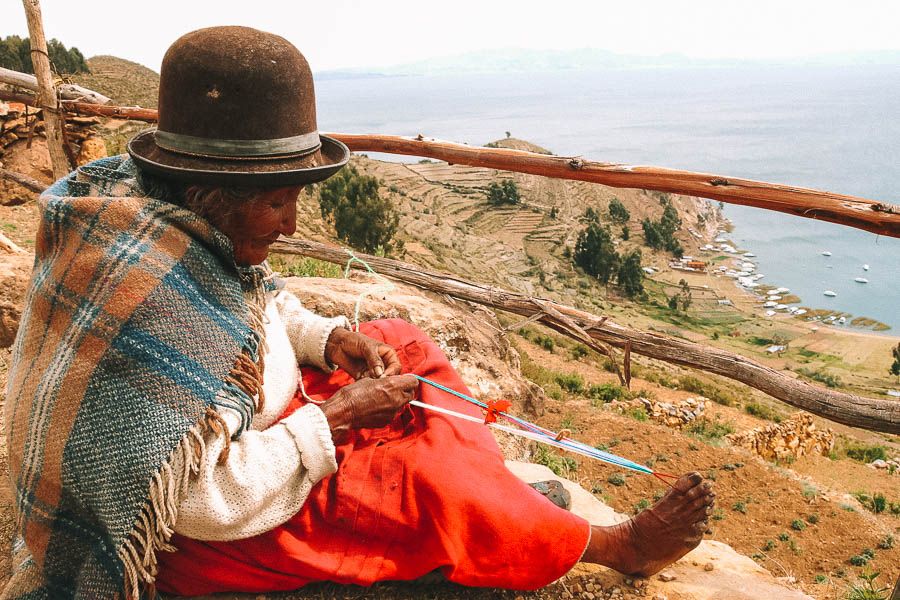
658	536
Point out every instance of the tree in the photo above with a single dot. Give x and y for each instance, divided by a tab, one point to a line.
554	212
590	215
617	211
631	275
508	135
625	233
505	192
15	54
661	234
595	252
361	216
895	368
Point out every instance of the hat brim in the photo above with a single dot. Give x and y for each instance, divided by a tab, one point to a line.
268	172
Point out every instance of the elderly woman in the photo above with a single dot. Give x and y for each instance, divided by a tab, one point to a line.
160	435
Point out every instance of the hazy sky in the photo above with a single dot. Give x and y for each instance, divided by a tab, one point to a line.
348	33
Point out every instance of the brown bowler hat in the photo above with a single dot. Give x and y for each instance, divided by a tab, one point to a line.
237	107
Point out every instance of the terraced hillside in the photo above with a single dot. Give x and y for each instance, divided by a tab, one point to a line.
448	224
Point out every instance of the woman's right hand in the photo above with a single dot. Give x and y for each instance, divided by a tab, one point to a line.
368	403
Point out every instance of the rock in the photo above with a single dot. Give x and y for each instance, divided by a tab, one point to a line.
879	464
709	567
15	272
660	597
666	576
91	149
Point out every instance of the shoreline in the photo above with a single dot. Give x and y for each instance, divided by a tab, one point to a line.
738	254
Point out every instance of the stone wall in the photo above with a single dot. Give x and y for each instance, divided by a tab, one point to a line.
796	437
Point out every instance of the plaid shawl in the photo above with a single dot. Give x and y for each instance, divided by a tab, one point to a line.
136	324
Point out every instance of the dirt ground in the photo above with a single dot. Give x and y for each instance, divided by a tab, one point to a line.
757	501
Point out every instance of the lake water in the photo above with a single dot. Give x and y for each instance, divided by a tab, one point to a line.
832	128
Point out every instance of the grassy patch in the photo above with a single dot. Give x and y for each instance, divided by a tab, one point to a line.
719	395
864	453
296	266
762	411
822	376
710	431
563	466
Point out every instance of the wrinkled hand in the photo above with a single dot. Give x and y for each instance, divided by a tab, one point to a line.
368	403
360	355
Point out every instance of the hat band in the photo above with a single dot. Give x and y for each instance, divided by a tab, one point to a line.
189	144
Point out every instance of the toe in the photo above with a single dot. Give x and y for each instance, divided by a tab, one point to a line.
688	482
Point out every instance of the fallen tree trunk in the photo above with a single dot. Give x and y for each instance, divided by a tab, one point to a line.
849	409
881	218
32	185
67	91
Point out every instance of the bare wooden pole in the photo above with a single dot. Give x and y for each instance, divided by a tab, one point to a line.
47	99
849	409
881	218
67	91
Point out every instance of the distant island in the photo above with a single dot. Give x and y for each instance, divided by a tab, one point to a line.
584	59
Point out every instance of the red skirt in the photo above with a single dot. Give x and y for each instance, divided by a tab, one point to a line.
426	492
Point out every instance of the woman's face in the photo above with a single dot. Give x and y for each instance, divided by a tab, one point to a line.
256	225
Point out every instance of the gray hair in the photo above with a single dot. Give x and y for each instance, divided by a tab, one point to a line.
217	204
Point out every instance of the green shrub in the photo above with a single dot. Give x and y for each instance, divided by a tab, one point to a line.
864	452
606	392
638	414
762	411
740	507
769	546
616	479
578	351
562	466
689	383
784	536
867	589
798	525
858	560
812	519
572	382
886	543
707	430
293	266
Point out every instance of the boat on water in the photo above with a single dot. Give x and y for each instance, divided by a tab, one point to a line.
749	255
769	304
800	311
826	253
829	293
782	290
865	267
861	280
770	313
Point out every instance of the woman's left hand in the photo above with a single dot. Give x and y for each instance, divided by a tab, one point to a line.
360	355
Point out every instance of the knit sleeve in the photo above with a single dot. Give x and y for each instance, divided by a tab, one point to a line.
307	331
264	481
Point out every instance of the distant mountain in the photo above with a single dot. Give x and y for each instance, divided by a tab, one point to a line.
528	60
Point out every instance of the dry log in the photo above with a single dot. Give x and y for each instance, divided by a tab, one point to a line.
67	91
10	246
881	218
849	409
47	99
32	185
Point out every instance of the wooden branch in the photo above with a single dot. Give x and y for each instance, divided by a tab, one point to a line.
877	217
849	409
10	246
67	91
881	218
32	185
47	99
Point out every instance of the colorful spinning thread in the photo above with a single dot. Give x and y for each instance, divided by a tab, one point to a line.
537	433
493	409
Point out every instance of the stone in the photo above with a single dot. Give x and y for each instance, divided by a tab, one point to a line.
91	149
666	576
879	464
709	567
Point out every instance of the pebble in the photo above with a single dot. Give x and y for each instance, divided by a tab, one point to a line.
589	587
660	597
667	576
708	567
588	595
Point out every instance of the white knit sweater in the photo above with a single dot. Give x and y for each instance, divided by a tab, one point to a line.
270	468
